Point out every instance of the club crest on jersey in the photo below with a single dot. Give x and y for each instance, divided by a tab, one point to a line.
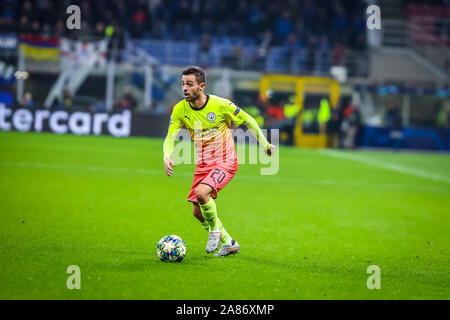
211	116
237	111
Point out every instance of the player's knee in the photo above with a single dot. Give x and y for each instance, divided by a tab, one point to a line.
202	193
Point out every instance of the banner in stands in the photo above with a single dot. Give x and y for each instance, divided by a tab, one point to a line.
81	122
405	138
79	52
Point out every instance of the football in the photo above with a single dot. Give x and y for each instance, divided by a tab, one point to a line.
171	248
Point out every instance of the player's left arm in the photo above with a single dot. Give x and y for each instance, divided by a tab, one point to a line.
239	117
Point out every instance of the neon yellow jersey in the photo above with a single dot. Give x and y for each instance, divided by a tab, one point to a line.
209	128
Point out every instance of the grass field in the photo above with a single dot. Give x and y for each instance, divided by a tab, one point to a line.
309	232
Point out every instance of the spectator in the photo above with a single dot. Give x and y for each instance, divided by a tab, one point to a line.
60	29
290	110
139	19
35	28
24	25
443	117
86	12
340	22
99	31
126	102
66	100
292	44
321	24
98	106
392	118
350	125
333	127
182	16
275	112
85	31
322	55
308	17
116	43
27	101
324	115
121	14
7	16
311	53
159	17
271	108
27	9
309	117
255	17
46	31
284	26
338	54
204	52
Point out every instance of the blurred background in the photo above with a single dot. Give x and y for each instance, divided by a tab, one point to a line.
312	69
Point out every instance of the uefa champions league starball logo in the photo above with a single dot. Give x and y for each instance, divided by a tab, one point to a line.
211	116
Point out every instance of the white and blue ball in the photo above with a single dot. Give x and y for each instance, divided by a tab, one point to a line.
171	248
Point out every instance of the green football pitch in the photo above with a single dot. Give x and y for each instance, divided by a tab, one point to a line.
309	232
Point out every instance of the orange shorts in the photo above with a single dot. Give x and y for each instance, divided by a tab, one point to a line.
217	178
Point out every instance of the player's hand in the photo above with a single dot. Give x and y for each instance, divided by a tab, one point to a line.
168	164
271	150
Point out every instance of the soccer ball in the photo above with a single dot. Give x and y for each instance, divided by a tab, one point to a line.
171	249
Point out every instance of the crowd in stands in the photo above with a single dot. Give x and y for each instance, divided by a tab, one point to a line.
430	21
292	23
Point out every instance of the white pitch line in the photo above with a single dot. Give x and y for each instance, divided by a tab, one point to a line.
260	179
384	165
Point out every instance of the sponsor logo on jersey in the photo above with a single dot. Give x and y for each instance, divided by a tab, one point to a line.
211	116
205	133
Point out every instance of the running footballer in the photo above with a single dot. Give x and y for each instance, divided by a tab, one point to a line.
208	119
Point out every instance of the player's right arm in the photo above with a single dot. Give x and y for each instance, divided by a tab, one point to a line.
169	143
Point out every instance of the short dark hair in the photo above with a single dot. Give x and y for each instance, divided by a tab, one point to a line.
197	72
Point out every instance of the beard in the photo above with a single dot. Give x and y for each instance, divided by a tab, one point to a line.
193	96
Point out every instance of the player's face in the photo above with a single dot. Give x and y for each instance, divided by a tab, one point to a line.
191	88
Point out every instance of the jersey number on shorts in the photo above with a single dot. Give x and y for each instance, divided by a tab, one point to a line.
220	177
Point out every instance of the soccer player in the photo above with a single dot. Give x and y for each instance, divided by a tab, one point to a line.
208	119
